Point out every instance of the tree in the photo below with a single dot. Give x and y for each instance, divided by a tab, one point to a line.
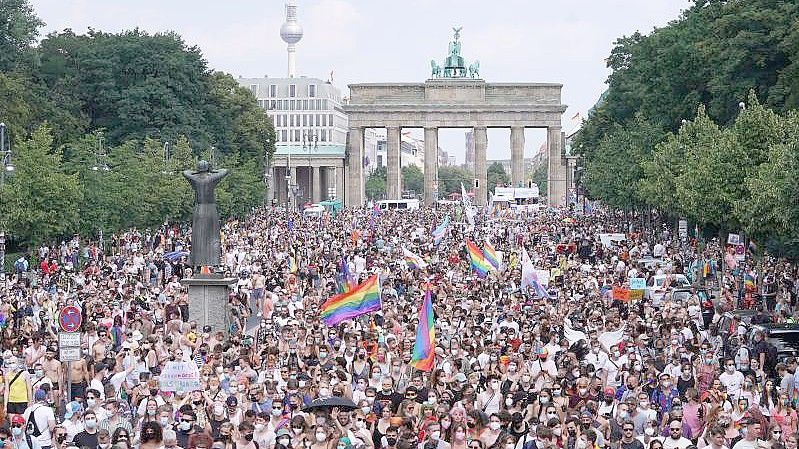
540	176
613	169
413	178
451	178
495	174
39	201
20	29
376	184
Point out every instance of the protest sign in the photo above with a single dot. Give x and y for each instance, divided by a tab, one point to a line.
180	376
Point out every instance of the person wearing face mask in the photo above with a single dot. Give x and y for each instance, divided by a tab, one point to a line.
186	427
88	436
322	436
663	396
17	386
390	438
433	437
490	401
543	369
245	437
19	438
492	432
387	393
283	440
73	423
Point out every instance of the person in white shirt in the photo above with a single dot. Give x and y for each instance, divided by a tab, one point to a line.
675	440
73	423
732	379
750	439
44	417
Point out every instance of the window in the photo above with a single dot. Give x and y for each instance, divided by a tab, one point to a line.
296	135
272	105
304	119
330	119
273	90
291	105
323	138
291	121
254	89
379	160
312	90
324	119
319	105
292	90
324	105
304	105
283	135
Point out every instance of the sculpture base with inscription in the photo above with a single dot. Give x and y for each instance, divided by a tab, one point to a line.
208	302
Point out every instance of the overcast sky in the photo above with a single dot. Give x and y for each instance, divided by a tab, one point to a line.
564	41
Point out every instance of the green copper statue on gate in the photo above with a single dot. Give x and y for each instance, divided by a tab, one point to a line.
454	65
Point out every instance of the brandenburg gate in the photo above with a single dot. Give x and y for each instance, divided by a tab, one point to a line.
454	97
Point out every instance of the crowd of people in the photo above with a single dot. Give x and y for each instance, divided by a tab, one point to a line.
574	367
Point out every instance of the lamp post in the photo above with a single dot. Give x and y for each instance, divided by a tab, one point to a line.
100	157
5	166
310	140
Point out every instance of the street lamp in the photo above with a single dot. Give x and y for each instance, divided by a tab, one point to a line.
310	140
5	166
100	156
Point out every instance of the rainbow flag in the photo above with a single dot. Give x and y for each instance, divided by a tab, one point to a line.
478	261
749	282
292	265
441	230
347	280
362	299
424	349
490	255
413	260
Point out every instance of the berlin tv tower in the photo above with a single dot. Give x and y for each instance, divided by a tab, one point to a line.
291	33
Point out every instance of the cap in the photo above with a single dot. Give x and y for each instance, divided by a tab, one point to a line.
40	395
282	432
72	408
17	419
231	401
460	377
610	391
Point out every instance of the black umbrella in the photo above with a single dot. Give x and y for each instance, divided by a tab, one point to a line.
328	403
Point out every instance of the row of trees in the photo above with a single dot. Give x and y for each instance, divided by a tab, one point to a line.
140	91
450	179
698	121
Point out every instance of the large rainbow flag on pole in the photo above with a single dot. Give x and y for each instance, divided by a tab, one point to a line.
490	255
424	349
362	299
413	260
478	260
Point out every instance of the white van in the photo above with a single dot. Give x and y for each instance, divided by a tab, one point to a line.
398	204
315	210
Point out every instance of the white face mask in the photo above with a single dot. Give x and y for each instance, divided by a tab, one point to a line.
360	424
494	425
218	410
508	402
649	431
436	434
283	441
164	421
320	436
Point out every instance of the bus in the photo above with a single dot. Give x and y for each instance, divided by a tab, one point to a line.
398	204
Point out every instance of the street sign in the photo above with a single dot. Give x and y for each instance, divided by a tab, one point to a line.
70	319
69	354
682	229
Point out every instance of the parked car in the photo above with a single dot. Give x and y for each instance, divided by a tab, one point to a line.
656	288
785	337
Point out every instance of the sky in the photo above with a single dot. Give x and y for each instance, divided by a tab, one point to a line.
563	41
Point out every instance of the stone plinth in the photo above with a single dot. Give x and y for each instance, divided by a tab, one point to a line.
208	302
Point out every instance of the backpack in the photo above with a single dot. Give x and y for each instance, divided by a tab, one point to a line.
771	356
19	266
31	428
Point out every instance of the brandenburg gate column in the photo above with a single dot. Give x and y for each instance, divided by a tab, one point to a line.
430	164
480	169
393	178
517	155
316	195
355	185
556	179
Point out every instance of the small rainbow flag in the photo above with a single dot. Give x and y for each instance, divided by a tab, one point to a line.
347	281
438	232
478	261
362	299
490	255
749	282
424	349
292	265
413	260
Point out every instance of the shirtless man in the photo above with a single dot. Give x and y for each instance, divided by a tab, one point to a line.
53	370
101	345
258	284
80	378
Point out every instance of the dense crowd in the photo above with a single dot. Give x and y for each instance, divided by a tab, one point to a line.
575	367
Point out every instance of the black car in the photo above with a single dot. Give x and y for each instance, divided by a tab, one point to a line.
785	337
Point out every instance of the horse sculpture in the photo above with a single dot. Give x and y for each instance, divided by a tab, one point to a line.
474	69
435	69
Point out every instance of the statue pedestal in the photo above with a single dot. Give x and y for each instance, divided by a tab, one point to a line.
208	302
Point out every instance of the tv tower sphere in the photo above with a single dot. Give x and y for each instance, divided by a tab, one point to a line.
291	31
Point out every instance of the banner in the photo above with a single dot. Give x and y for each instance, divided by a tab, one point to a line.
606	239
180	377
625	294
542	276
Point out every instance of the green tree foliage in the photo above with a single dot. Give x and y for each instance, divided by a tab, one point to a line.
140	90
450	179
39	201
376	184
496	175
539	177
413	178
614	168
